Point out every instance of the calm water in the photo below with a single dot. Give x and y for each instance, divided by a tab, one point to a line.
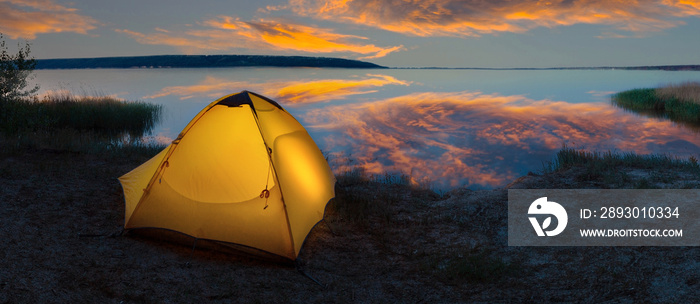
450	128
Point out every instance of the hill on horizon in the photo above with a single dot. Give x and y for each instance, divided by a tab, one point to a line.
200	61
215	61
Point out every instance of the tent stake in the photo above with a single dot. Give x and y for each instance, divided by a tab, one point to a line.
329	227
194	245
310	277
301	270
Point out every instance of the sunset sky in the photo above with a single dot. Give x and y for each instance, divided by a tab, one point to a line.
397	33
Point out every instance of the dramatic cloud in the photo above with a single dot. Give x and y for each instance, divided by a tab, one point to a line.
469	138
288	93
684	7
27	18
226	33
475	17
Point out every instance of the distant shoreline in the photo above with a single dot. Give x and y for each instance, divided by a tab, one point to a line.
200	61
222	61
643	68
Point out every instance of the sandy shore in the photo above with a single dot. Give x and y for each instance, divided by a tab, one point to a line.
62	214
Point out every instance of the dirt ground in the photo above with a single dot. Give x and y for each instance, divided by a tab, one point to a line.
61	216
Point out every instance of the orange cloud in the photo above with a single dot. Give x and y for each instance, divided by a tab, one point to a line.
469	138
287	92
475	18
684	7
27	18
227	33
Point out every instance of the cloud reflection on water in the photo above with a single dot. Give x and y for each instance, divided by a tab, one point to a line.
450	139
470	138
287	92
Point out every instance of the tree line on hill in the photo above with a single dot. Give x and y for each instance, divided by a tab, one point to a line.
200	61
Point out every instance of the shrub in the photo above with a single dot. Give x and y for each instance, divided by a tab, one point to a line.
15	71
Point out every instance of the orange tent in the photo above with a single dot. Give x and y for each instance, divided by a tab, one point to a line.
243	171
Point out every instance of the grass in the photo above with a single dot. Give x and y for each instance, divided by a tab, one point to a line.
102	114
475	265
687	92
361	196
605	167
680	103
65	122
568	157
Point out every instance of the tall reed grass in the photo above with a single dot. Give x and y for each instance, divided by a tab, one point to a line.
568	157
685	92
606	167
67	122
680	103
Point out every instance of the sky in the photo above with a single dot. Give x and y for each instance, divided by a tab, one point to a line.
395	33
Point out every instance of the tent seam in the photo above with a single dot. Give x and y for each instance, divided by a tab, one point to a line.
272	164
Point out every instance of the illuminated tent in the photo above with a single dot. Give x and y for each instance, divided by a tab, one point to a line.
243	171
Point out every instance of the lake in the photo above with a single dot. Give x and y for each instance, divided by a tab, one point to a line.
445	128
